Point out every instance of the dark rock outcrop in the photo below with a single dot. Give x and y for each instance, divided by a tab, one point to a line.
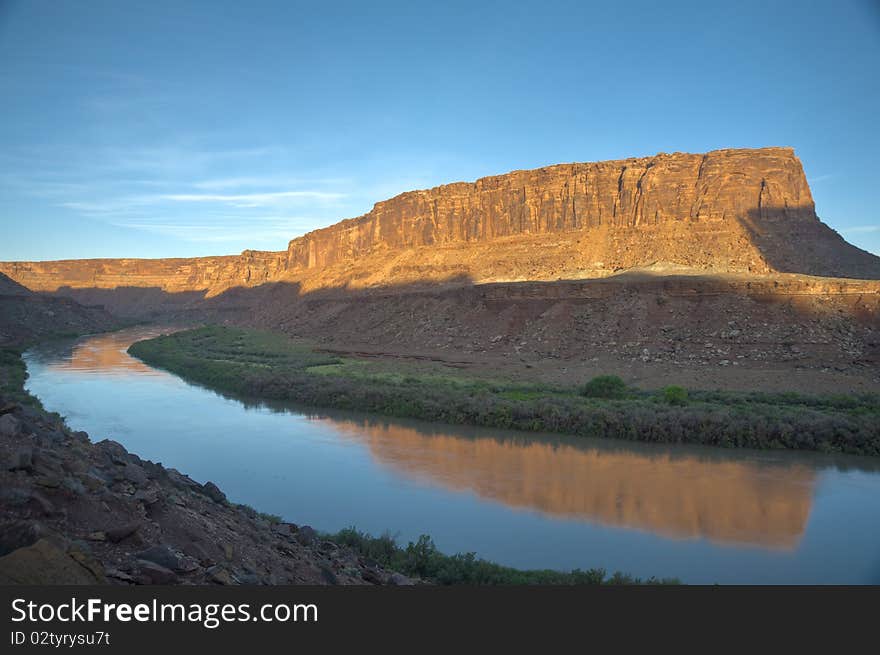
94	525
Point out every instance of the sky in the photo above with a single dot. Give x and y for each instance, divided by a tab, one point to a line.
166	129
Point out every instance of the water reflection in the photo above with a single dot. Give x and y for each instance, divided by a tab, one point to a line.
105	353
703	514
676	495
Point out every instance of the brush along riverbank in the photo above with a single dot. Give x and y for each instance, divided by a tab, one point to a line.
77	512
271	366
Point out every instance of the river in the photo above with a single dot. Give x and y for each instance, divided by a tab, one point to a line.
701	514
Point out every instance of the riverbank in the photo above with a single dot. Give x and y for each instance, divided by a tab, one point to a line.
77	512
271	366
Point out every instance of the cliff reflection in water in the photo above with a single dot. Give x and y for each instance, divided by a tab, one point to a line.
724	498
680	492
106	353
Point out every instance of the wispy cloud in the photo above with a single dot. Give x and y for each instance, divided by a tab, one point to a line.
821	178
250	199
264	182
244	196
155	202
169	160
226	229
861	229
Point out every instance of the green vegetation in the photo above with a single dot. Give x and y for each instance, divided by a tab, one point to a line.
13	374
274	519
270	366
605	386
422	560
675	395
252	350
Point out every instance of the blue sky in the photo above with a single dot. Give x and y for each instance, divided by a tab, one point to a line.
149	129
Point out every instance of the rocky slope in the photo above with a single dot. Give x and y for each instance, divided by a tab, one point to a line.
724	211
25	316
77	512
815	335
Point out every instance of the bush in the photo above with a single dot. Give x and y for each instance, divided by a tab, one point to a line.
604	386
421	559
675	395
847	424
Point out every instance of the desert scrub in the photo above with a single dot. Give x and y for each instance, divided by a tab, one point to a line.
13	374
421	559
270	366
605	386
675	395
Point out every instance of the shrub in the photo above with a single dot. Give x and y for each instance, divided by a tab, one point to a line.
422	559
604	386
675	395
846	424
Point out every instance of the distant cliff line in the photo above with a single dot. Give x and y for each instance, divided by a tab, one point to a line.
732	210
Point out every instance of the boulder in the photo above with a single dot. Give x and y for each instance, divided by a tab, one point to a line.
221	575
22	459
44	563
7	407
135	474
307	535
121	532
114	451
161	555
213	492
31	501
152	573
399	580
9	426
19	534
182	481
147	496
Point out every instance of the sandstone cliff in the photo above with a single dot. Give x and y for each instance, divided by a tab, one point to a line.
724	211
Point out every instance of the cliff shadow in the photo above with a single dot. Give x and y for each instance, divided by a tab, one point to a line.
157	304
140	303
790	241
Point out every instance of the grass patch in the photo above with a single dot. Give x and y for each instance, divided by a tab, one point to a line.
271	366
421	559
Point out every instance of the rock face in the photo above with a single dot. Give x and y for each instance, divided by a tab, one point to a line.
725	190
739	211
171	275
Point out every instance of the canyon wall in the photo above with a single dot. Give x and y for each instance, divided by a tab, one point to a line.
718	188
724	211
747	211
172	275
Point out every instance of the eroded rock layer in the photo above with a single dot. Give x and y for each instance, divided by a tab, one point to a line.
670	207
724	211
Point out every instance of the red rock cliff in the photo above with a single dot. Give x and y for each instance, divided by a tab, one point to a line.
724	211
727	210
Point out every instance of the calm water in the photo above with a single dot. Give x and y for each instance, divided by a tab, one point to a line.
703	515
